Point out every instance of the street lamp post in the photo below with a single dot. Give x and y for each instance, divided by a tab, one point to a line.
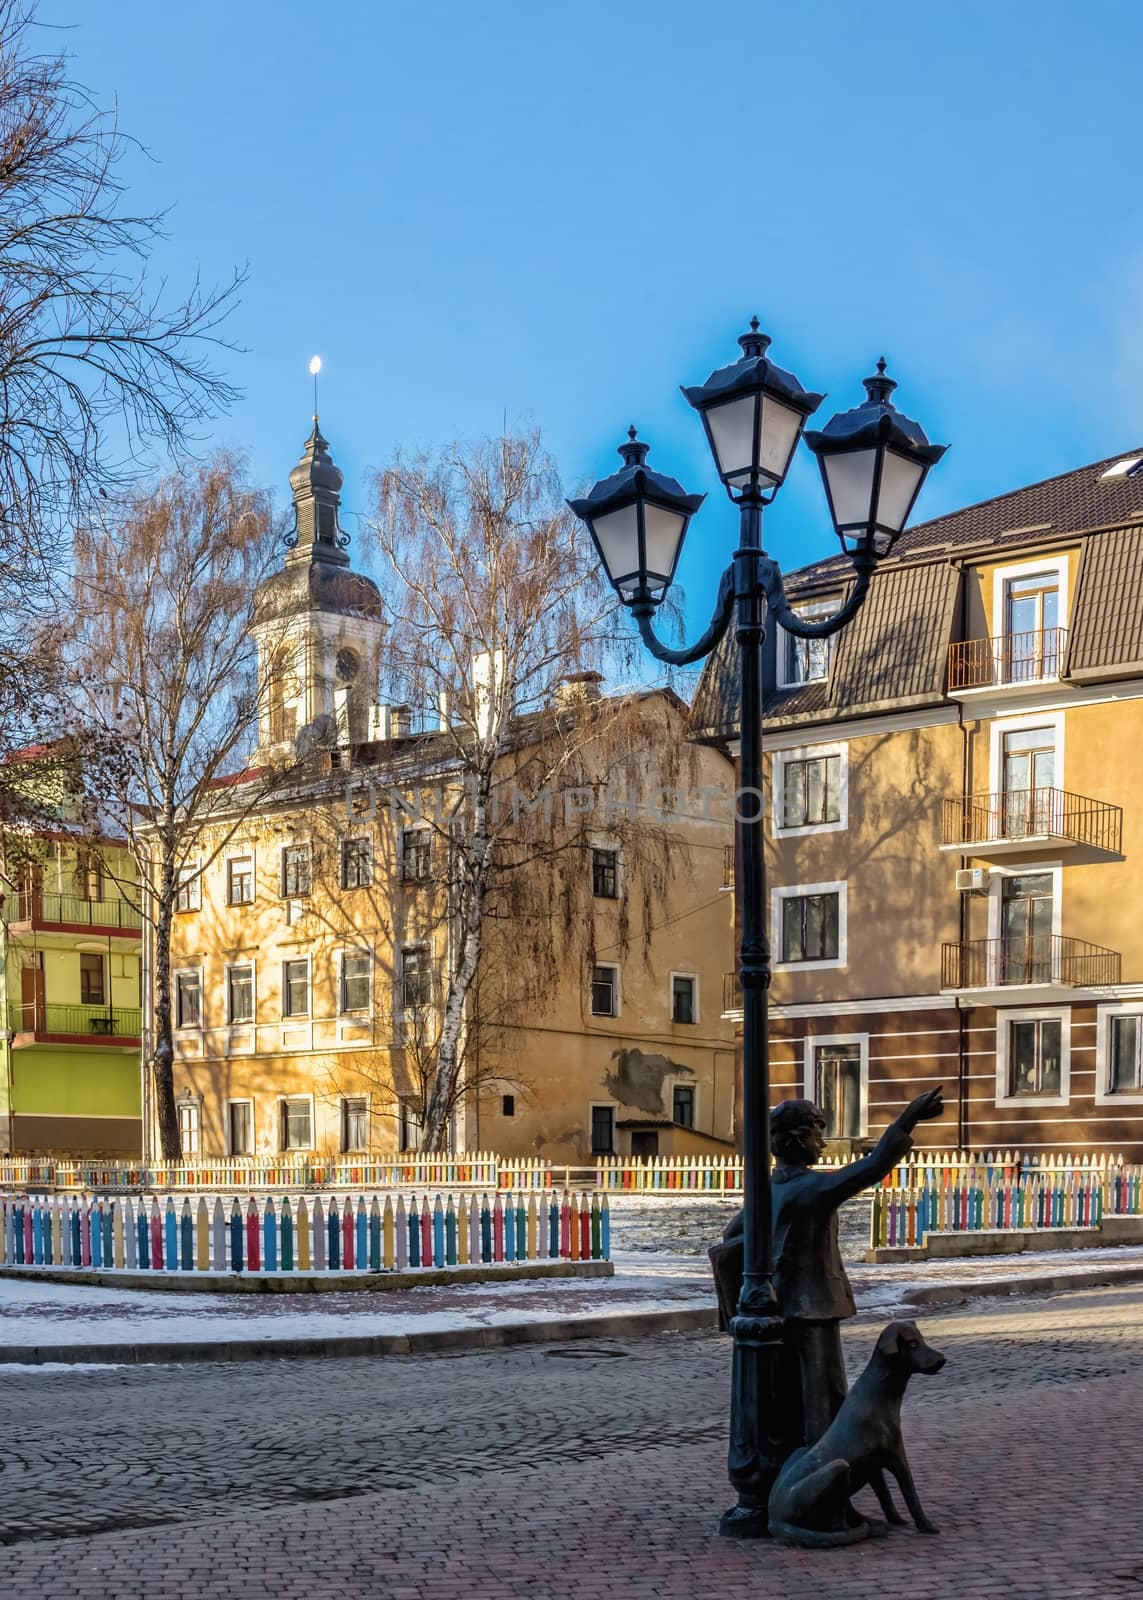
873	462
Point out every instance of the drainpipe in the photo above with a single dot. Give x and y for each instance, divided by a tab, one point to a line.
962	913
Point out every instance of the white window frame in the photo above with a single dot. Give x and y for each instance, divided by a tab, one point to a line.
686	1083
283	1100
798	891
356	839
188	1027
603	1105
355	950
1034	1014
1002	725
816	610
419	828
1103	1016
1011	869
252	1020
341	1118
241	855
809	1071
810	752
240	1100
288	894
407	1117
1002	576
694	977
185	1105
402	1010
190	877
294	1018
612	849
612	966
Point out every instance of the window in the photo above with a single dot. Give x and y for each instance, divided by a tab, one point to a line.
240	1127
354	985
683	996
1026	905
839	1087
190	1126
1034	1056
810	924
806	660
296	870
416	854
187	894
605	874
508	1105
603	1130
356	863
1125	1060
92	985
410	1125
295	988
240	881
188	999
355	1122
604	991
297	1123
683	1105
1033	638
1029	775
240	994
88	876
416	979
811	791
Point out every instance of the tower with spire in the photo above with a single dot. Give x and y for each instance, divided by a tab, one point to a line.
317	623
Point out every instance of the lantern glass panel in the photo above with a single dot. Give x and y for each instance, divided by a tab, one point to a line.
732	431
849	475
617	535
780	428
663	532
900	479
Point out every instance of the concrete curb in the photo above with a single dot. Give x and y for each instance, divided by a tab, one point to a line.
297	1282
619	1325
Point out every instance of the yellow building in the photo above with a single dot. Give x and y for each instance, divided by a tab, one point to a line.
954	833
312	948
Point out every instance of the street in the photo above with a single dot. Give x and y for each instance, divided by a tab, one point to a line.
573	1470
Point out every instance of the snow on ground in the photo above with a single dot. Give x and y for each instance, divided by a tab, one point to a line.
659	1247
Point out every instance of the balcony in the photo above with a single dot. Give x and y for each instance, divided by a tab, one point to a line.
1038	964
71	913
52	1024
1019	820
1009	661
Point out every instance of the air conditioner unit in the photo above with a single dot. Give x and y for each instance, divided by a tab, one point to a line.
972	880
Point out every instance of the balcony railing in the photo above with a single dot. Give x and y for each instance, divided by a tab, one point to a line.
1010	658
40	908
79	1022
1044	958
1032	813
731	992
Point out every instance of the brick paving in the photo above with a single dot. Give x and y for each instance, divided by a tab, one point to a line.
577	1471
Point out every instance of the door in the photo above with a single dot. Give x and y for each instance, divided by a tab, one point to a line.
1032	628
1026	928
32	892
32	1008
644	1146
1029	782
837	1084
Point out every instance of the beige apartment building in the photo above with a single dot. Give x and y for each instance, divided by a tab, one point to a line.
314	939
955	836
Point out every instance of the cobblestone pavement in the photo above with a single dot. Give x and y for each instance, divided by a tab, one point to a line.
578	1471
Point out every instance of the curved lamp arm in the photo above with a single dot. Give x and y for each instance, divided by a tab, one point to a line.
780	606
723	611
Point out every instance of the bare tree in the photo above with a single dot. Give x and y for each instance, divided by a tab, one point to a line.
499	624
163	595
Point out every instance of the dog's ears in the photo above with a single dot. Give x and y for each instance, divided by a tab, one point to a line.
896	1333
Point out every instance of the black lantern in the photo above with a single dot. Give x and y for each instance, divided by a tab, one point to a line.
753	413
873	462
638	519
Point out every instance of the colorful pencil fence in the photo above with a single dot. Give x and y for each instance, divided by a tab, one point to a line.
950	1192
280	1234
245	1173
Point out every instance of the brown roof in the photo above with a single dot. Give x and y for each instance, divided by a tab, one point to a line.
1107	627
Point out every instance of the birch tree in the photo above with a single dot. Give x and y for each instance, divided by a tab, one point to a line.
163	593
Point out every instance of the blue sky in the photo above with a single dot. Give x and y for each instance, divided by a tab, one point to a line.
561	211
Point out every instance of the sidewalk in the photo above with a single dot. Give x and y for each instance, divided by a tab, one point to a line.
43	1322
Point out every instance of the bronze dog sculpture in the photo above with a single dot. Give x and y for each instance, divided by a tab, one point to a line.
809	1503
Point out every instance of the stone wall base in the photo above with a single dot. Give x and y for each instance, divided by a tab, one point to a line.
994	1242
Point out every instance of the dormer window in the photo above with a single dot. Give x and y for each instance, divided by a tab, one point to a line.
1032	634
805	660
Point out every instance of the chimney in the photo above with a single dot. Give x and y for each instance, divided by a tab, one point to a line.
578	689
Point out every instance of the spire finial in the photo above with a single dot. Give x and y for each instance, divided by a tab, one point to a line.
879	388
634	452
754	343
315	368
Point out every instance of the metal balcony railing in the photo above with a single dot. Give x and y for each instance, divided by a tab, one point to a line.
1032	813
1008	658
1043	958
731	992
42	908
80	1022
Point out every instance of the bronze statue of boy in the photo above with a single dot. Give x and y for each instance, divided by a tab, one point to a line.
813	1291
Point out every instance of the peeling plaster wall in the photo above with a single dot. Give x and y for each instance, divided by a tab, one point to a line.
639	1079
